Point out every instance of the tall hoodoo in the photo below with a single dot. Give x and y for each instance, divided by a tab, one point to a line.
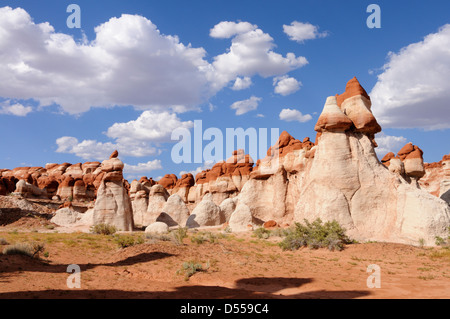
346	181
113	205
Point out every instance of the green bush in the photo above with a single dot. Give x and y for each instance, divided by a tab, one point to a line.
316	235
262	233
27	249
103	229
443	242
202	237
128	240
189	268
178	235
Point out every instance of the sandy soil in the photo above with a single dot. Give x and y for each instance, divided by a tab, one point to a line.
235	266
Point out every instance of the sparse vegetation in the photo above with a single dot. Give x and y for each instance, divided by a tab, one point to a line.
189	268
27	249
262	233
128	240
3	241
421	242
316	235
179	234
103	229
445	243
202	237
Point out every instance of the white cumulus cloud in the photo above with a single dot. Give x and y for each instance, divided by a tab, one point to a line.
16	109
247	105
242	83
251	53
300	31
286	85
414	88
136	138
388	143
142	168
228	29
290	115
129	62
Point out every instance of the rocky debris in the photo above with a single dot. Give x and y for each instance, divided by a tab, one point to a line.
157	228
113	205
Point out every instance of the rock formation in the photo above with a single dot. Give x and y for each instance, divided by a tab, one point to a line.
174	212
341	178
113	205
206	213
336	177
437	178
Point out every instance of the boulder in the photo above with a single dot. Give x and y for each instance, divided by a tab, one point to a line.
206	213
174	212
241	219
157	228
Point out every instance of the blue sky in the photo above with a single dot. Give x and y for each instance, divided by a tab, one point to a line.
136	70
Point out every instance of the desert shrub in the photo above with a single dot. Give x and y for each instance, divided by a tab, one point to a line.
156	237
189	268
443	242
128	240
178	235
200	238
262	233
27	249
103	229
315	235
421	242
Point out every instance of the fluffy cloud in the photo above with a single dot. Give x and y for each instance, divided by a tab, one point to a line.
148	127
285	85
142	168
388	143
94	150
242	83
16	109
299	31
414	89
228	29
134	138
251	53
130	62
290	115
245	106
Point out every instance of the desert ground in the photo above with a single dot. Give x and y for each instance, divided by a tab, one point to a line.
232	266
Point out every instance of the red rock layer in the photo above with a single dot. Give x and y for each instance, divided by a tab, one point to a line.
352	88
